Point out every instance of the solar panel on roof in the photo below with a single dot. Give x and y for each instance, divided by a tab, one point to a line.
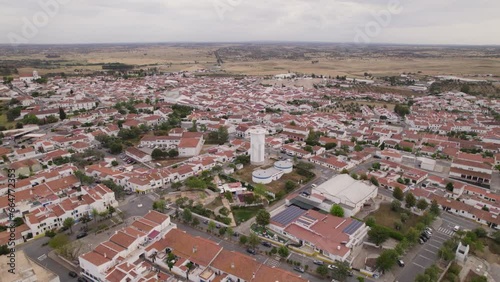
288	215
352	227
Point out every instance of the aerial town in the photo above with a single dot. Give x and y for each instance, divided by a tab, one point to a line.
182	176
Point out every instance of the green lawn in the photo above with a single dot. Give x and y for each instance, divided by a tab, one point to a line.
244	214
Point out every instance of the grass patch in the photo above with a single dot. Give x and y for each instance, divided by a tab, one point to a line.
386	217
214	204
244	214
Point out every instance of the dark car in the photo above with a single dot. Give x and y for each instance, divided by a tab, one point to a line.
267	244
299	269
72	274
81	235
82	279
251	251
236	234
425	235
423	238
401	263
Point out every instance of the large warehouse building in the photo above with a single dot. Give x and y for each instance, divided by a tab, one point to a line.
341	189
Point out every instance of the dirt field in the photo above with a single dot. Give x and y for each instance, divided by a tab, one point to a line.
386	217
358	66
263	59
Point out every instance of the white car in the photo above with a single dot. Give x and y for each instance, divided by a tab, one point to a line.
456	228
139	205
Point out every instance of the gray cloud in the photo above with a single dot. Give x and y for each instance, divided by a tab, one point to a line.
97	21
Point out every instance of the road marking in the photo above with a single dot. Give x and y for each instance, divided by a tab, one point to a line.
418	265
431	245
429	251
42	257
425	257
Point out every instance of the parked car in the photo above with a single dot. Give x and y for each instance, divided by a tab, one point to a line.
318	262
251	251
82	279
428	232
299	269
428	229
423	238
205	221
72	274
332	267
236	234
267	244
425	235
421	241
217	226
81	235
401	263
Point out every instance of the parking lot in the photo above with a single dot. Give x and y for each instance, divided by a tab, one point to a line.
426	255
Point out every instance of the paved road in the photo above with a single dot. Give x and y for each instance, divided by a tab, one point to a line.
38	253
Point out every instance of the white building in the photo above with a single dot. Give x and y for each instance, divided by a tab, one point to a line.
342	189
258	145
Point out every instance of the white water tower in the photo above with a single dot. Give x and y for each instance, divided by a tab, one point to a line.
258	146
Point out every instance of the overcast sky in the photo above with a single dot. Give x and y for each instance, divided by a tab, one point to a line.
110	21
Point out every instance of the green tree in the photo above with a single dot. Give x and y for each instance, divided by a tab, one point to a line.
30	119
290	185
62	114
376	166
83	178
187	215
378	235
111	210
243	239
374	181
194	182
450	187
322	270
253	240
68	223
410	200
386	260
115	148
395	206
434	208
159	205
263	218
195	222
337	210
229	232
422	204
398	194
283	251
172	153
158	154
211	226
341	270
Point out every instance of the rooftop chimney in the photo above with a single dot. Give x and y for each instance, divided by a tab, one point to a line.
105	255
232	265
194	249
